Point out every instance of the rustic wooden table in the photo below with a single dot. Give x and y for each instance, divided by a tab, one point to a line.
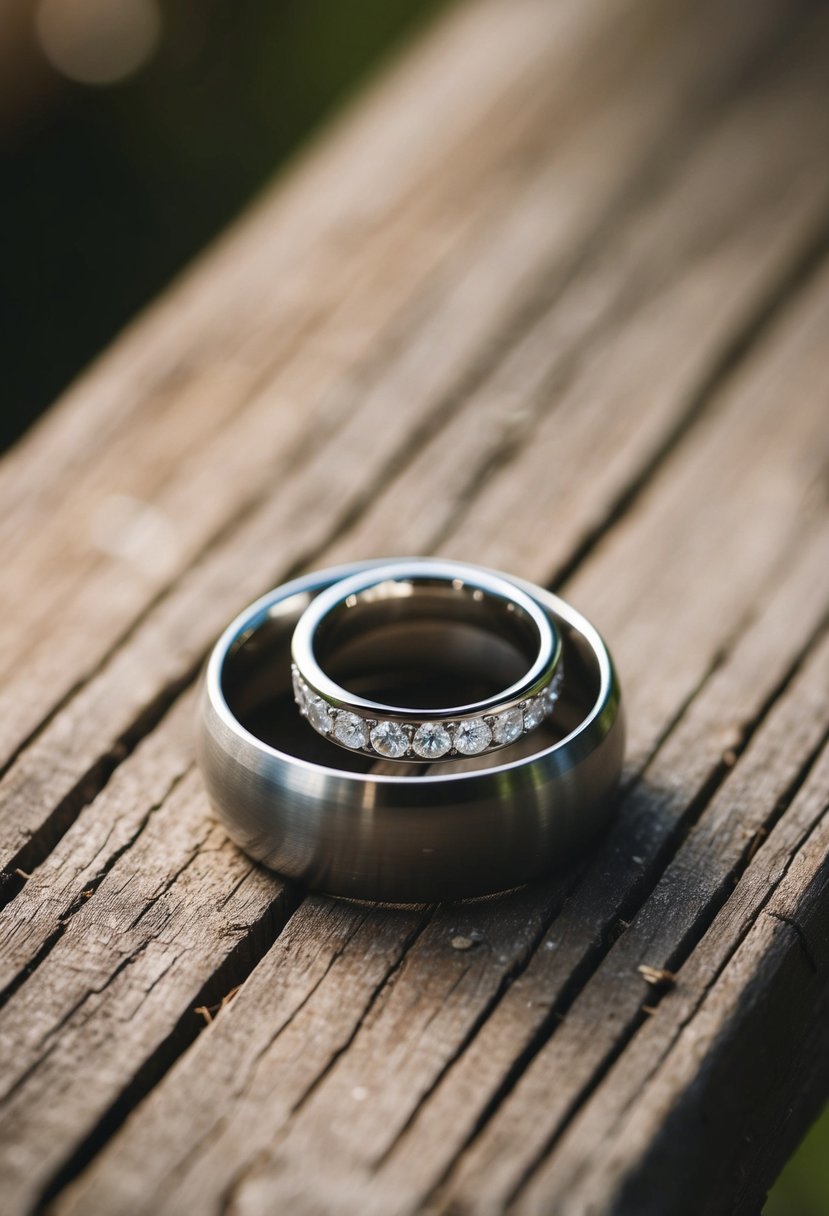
553	296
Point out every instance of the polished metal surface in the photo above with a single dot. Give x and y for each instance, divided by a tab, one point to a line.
332	819
406	615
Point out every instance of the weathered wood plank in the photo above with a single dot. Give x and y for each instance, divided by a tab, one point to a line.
403	1050
425	1006
394	146
674	785
176	927
308	504
100	596
364	1041
186	408
758	966
655	309
409	1031
610	1007
106	829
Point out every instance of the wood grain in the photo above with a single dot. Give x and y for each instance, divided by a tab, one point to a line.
677	781
316	499
745	1092
553	296
430	342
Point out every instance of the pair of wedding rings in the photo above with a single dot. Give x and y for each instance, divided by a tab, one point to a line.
410	731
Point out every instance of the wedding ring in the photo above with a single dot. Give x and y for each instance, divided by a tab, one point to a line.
408	620
340	821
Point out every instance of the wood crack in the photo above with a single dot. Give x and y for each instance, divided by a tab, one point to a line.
50	1039
769	310
508	978
88	787
80	901
234	970
637	895
375	995
793	923
762	910
238	1181
200	1144
680	956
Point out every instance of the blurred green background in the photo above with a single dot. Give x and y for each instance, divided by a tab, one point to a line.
112	187
130	133
803	1187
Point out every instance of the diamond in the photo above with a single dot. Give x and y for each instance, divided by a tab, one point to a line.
508	726
350	730
390	740
472	737
535	712
431	741
300	691
553	690
319	715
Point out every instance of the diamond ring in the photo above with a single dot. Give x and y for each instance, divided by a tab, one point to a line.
378	658
352	825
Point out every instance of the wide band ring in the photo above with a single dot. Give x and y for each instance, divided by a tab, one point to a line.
446	611
316	813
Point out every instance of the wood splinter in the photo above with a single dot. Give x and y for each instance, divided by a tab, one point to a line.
208	1011
658	976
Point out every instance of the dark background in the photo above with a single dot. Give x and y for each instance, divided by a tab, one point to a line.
108	190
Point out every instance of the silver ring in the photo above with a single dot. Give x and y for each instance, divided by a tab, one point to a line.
319	814
447	612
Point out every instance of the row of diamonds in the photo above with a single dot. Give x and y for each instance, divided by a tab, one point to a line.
428	740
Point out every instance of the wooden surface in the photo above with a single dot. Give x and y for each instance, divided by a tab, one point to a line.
553	296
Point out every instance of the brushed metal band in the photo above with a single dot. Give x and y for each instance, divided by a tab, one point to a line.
439	603
336	821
